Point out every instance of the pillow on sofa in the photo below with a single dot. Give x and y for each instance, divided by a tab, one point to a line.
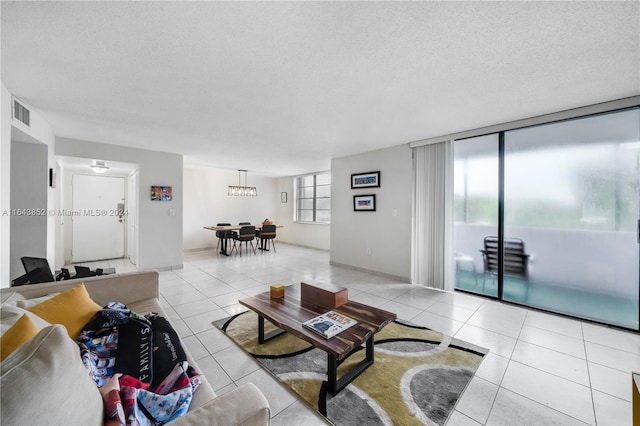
71	308
45	382
17	335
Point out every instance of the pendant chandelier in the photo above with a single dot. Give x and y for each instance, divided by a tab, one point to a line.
243	191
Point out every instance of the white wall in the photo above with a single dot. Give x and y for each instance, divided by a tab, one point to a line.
314	235
206	203
40	133
387	231
28	203
160	222
5	185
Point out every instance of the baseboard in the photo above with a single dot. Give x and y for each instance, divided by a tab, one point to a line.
369	271
192	250
169	268
303	246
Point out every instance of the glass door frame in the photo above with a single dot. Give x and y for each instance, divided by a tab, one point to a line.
501	221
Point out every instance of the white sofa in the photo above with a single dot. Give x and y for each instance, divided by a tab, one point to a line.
42	382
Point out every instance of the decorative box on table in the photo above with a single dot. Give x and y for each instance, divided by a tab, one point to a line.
323	294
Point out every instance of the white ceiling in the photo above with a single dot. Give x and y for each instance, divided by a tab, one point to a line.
279	88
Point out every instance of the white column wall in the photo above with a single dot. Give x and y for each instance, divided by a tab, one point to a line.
39	132
5	185
377	241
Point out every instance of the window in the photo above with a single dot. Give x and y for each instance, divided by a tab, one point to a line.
313	198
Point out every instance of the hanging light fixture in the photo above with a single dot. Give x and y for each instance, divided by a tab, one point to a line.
99	166
243	191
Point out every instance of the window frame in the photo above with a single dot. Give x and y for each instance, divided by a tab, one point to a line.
314	198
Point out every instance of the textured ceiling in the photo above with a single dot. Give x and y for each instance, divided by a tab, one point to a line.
279	88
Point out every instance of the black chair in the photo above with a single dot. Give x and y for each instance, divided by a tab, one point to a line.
65	275
515	260
37	271
105	271
84	272
235	233
240	224
268	233
222	234
246	235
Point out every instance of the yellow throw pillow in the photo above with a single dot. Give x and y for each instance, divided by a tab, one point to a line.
19	334
72	308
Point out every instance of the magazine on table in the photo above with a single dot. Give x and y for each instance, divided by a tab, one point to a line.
329	324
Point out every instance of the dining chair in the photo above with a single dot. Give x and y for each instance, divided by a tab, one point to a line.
268	233
235	233
221	234
246	235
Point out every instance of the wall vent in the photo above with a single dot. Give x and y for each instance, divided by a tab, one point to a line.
21	112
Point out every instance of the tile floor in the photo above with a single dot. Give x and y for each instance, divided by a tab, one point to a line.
541	369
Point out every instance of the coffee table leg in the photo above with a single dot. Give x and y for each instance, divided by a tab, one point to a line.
335	384
262	338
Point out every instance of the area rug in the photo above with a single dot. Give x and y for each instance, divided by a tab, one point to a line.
417	377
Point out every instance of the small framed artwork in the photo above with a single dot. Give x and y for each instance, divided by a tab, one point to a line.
161	193
283	197
365	180
364	203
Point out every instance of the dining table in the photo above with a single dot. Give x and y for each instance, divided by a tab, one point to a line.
229	228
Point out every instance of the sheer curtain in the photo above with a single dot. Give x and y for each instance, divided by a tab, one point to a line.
431	238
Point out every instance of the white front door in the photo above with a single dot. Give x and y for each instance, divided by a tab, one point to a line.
98	223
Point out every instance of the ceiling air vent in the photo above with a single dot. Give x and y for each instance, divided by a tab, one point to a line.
21	112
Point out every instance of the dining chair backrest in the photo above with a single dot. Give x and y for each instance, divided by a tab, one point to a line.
247	233
268	232
222	234
244	223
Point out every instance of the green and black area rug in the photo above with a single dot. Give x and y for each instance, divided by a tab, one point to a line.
417	377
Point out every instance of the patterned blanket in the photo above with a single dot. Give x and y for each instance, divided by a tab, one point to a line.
139	365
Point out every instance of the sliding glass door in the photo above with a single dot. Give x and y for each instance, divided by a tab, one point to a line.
547	216
475	197
571	197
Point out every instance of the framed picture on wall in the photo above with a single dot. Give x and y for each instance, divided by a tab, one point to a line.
364	203
161	193
283	197
365	180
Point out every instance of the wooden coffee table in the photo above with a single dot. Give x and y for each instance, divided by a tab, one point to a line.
289	313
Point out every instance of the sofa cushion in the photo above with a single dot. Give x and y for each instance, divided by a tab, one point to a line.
71	308
17	335
30	303
9	314
244	406
45	382
11	297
